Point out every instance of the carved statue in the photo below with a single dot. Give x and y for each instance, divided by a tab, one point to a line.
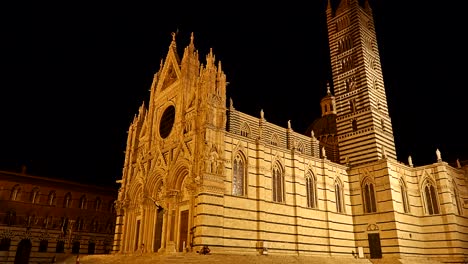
439	156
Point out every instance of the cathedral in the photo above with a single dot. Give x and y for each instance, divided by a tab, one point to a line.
200	174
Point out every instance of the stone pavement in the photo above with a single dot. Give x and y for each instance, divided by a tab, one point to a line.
187	258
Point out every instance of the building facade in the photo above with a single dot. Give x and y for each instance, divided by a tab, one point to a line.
198	172
44	219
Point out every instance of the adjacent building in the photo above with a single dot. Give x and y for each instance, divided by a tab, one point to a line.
198	172
43	218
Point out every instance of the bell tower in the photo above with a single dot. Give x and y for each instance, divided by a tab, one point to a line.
364	127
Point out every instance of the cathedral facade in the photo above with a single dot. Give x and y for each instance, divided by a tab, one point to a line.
198	172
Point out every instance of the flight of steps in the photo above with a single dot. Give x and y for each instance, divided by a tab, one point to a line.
187	258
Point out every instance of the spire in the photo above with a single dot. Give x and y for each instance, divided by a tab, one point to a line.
367	6
328	88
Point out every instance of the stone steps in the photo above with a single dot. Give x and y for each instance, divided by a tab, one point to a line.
192	258
187	258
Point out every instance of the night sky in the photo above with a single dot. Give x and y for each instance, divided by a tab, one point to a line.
74	75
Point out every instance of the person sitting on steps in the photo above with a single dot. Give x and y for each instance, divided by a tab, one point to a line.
205	250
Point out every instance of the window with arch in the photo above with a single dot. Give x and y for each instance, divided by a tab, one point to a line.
60	247
94	225
30	220
311	189
300	147
79	224
352	105
15	193
64	225
456	199
5	243
339	197
350	84
368	194
97	204
245	130
67	200
109	226
430	198
274	140
43	245
34	198
47	221
51	198
278	183
239	175
345	44
354	125
10	218
112	206
404	197
83	202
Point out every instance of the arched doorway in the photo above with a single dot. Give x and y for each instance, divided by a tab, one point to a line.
23	252
158	230
76	247
91	247
183	230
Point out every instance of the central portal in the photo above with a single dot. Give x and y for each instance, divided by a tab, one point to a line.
183	236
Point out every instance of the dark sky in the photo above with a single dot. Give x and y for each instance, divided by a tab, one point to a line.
74	75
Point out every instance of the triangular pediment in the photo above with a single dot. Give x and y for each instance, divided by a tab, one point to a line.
170	77
183	151
171	71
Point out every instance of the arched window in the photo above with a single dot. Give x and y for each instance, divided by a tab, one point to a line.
404	197
67	200
64	225
352	107
339	197
278	183
47	221
97	204
10	218
94	226
51	198
430	198
311	188
112	206
79	224
30	220
245	130
15	193
456	199
239	176
83	202
5	243
34	195
368	193
354	124
274	139
300	147
43	245
60	246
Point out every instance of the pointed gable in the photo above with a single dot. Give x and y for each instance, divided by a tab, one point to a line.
170	72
